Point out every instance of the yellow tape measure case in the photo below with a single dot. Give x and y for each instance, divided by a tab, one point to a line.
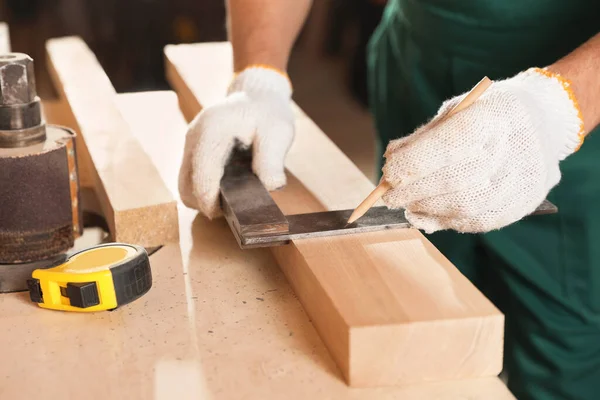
100	278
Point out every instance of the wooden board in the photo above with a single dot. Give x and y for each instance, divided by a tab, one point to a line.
4	38
391	309
218	323
135	201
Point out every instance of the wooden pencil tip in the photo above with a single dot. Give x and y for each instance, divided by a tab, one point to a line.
352	218
368	202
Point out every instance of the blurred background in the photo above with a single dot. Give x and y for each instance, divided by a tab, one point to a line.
327	66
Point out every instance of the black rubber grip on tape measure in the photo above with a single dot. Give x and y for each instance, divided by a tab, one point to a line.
132	279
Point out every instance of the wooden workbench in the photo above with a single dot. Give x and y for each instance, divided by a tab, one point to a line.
219	323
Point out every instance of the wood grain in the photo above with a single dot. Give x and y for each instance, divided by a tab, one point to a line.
391	309
134	199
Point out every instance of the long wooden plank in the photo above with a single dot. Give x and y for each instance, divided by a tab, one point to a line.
253	339
391	309
135	201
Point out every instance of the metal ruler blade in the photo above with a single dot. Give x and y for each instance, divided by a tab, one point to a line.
256	221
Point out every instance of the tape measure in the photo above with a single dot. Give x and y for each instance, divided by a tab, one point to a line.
100	278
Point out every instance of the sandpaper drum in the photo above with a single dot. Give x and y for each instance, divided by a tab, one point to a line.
40	216
39	213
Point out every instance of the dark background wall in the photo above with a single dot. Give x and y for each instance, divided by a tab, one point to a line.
128	35
327	65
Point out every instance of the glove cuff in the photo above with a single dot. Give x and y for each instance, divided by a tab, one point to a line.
558	103
264	79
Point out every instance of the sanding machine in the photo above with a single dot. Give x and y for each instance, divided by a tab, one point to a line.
40	213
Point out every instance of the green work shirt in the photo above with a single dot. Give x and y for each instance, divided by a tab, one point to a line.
542	272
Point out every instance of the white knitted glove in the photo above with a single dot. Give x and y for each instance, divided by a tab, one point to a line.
256	112
491	164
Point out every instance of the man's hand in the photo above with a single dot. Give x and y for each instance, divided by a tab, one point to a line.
491	164
257	112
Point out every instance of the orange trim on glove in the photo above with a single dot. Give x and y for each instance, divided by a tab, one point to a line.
270	68
566	84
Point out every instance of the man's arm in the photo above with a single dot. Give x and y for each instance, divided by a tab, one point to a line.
494	162
263	31
257	111
581	68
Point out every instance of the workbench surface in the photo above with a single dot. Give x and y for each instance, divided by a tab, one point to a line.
219	323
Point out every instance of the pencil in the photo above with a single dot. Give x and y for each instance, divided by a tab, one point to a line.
383	185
